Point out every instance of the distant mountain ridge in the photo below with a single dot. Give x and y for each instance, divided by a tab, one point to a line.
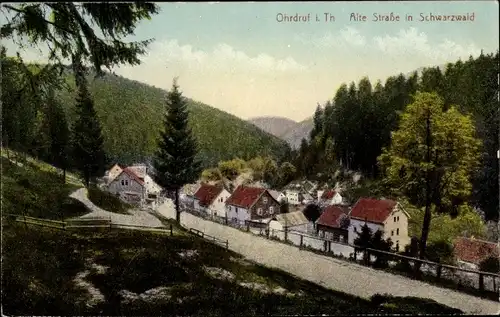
276	126
131	115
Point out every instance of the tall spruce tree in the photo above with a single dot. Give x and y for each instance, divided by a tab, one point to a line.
59	135
88	153
176	163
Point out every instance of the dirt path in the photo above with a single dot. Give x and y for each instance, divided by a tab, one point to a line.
329	272
137	217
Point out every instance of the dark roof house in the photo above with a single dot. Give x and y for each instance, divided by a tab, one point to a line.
206	194
245	197
332	216
474	250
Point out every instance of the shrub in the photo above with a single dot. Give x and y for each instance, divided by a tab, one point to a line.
107	201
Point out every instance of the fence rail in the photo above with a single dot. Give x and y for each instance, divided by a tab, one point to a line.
224	243
486	283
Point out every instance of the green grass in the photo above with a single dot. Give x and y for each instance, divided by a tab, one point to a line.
39	265
37	191
131	118
108	201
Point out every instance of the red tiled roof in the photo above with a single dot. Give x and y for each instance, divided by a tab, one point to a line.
473	250
244	196
328	194
207	193
331	216
133	175
373	210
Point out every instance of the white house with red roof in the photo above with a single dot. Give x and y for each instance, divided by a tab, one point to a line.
330	197
211	199
130	187
251	204
380	214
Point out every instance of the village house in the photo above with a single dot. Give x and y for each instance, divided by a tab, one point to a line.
300	192
211	199
330	197
470	252
333	223
186	195
380	214
278	196
251	205
133	184
111	174
128	186
291	221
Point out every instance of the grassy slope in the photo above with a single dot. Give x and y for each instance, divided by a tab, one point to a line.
40	264
36	189
131	116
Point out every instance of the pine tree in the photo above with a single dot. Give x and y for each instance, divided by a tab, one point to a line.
88	143
176	162
58	135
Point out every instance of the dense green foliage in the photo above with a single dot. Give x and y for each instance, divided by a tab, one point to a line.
39	266
360	119
130	115
431	157
70	28
257	169
87	142
443	227
107	201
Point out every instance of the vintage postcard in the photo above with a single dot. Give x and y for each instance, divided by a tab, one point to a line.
244	158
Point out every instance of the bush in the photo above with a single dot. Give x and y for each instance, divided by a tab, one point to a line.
491	264
107	201
440	252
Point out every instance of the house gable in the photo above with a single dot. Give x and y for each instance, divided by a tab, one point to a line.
373	210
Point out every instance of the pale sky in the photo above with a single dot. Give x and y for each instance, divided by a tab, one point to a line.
237	57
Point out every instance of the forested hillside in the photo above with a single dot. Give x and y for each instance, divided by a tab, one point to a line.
354	127
131	116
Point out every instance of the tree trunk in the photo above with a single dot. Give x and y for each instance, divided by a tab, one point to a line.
177	207
64	175
427	216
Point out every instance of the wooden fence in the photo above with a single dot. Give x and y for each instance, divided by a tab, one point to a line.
91	222
224	243
441	274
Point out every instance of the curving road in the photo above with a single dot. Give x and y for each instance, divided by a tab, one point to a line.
332	273
137	217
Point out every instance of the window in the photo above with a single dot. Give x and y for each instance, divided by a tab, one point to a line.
355	229
392	232
394	219
126	182
264	200
398	218
271	210
123	182
259	211
397	231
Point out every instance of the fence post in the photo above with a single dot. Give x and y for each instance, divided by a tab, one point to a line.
227	244
329	246
301	240
248	226
438	272
171	232
481	282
